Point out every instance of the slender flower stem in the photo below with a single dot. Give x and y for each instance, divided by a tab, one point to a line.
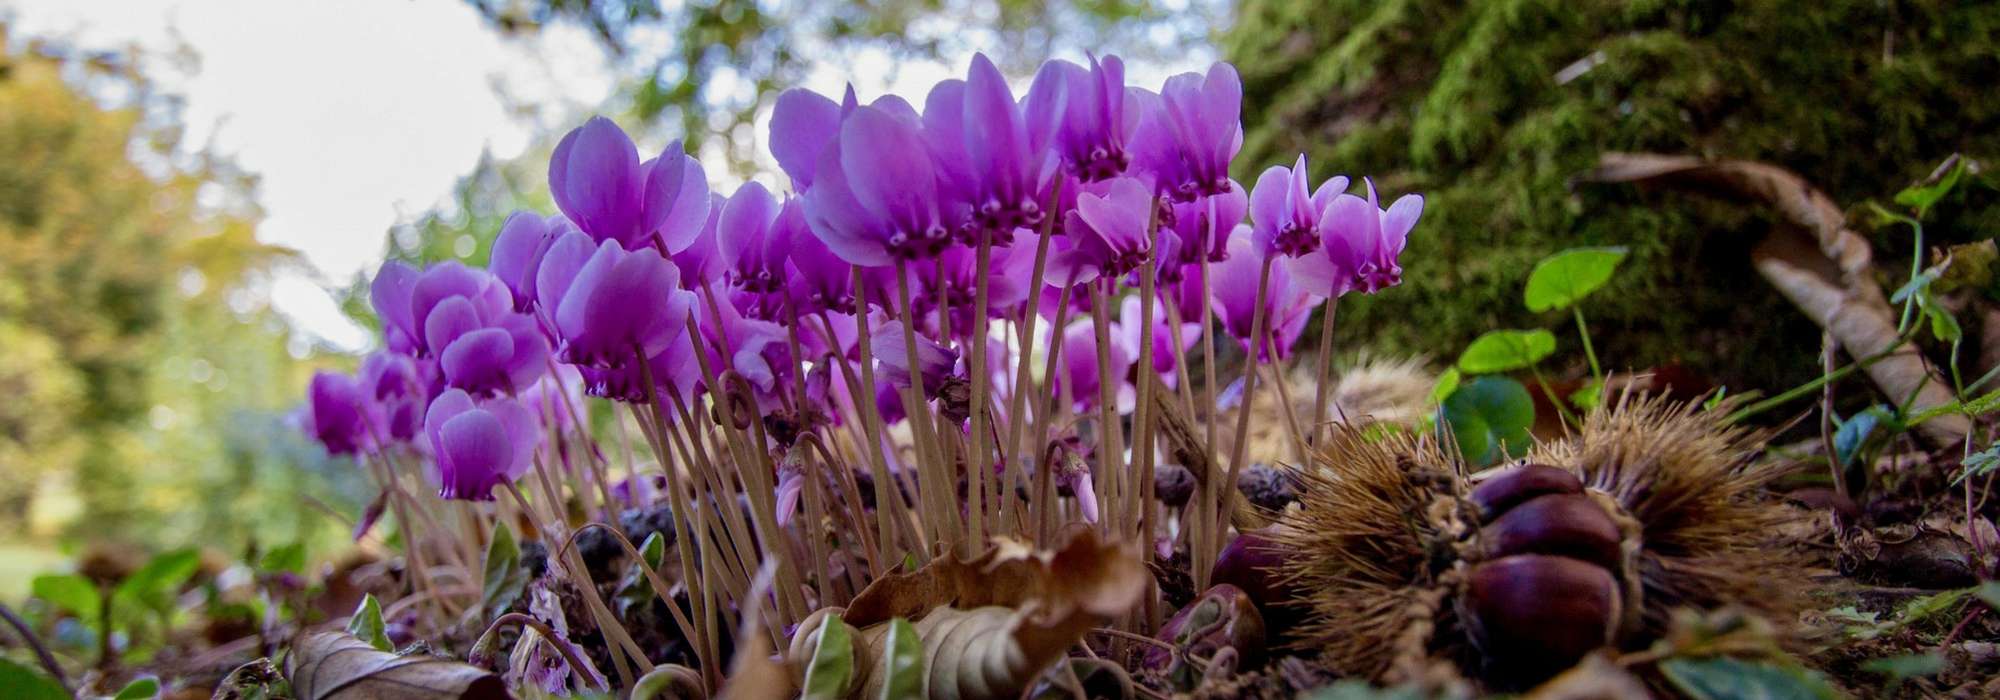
1206	531
976	460
873	419
1241	448
29	640
1030	311
1325	375
1583	332
1112	470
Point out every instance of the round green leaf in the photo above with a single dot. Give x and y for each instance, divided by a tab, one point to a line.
1490	418
1561	279
1506	350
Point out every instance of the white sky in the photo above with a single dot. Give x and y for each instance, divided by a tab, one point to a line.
359	114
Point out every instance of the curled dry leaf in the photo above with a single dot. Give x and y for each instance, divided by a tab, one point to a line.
338	666
990	625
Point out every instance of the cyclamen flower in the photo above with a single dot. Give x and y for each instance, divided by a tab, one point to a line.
1361	244
934	361
803	124
1207	218
1285	219
1188	136
610	305
478	445
875	196
1108	231
468	320
518	250
337	413
754	236
701	262
400	386
1080	372
389	293
1130	333
816	278
1287	304
1004	150
598	181
1099	115
674	368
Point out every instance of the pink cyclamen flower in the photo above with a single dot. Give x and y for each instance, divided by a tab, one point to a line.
754	238
701	262
1287	304
1004	149
599	182
389	293
468	321
400	386
1108	231
518	250
337	414
1080	374
1130	332
1204	224
875	195
1100	115
803	124
1360	244
1285	218
1190	133
611	305
934	361
478	445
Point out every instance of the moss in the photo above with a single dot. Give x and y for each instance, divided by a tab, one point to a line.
1461	101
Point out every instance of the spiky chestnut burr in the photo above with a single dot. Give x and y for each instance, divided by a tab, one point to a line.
1406	563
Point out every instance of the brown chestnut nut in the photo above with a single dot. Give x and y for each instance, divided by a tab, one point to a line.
1534	614
1251	562
1571	525
1224	616
1521	483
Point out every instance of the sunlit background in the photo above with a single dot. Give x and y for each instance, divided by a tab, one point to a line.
266	156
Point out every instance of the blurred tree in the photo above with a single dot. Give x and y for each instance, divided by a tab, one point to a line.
135	344
1490	108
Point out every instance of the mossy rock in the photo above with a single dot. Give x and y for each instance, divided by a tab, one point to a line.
1489	110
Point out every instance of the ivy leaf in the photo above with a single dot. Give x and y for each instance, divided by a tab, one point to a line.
503	576
23	683
1489	417
1724	678
1560	280
1505	350
69	592
903	666
139	689
831	675
366	624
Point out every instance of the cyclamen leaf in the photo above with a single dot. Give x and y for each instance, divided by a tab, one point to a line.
1921	197
331	665
1560	280
503	576
139	689
831	674
1490	418
1724	678
69	592
903	666
366	624
1506	350
28	684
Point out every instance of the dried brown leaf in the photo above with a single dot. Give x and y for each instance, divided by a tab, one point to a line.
337	666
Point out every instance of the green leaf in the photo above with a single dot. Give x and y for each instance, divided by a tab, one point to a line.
1560	280
1587	396
1921	197
503	576
1863	431
154	584
903	665
366	624
1920	609
1446	384
1490	418
653	550
1730	679
1505	350
830	674
69	592
289	558
139	689
23	683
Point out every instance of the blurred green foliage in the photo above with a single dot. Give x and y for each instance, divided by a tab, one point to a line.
144	375
1490	108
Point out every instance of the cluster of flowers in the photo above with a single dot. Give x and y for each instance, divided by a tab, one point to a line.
648	285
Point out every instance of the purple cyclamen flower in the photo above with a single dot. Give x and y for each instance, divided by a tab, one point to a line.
816	278
390	294
674	368
701	262
556	396
1108	231
598	181
803	124
875	196
754	237
481	343
610	305
1100	115
1007	151
478	445
1285	219
1130	333
400	386
1360	244
518	250
1188	136
757	347
1080	376
1287	304
1208	218
337	413
935	361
